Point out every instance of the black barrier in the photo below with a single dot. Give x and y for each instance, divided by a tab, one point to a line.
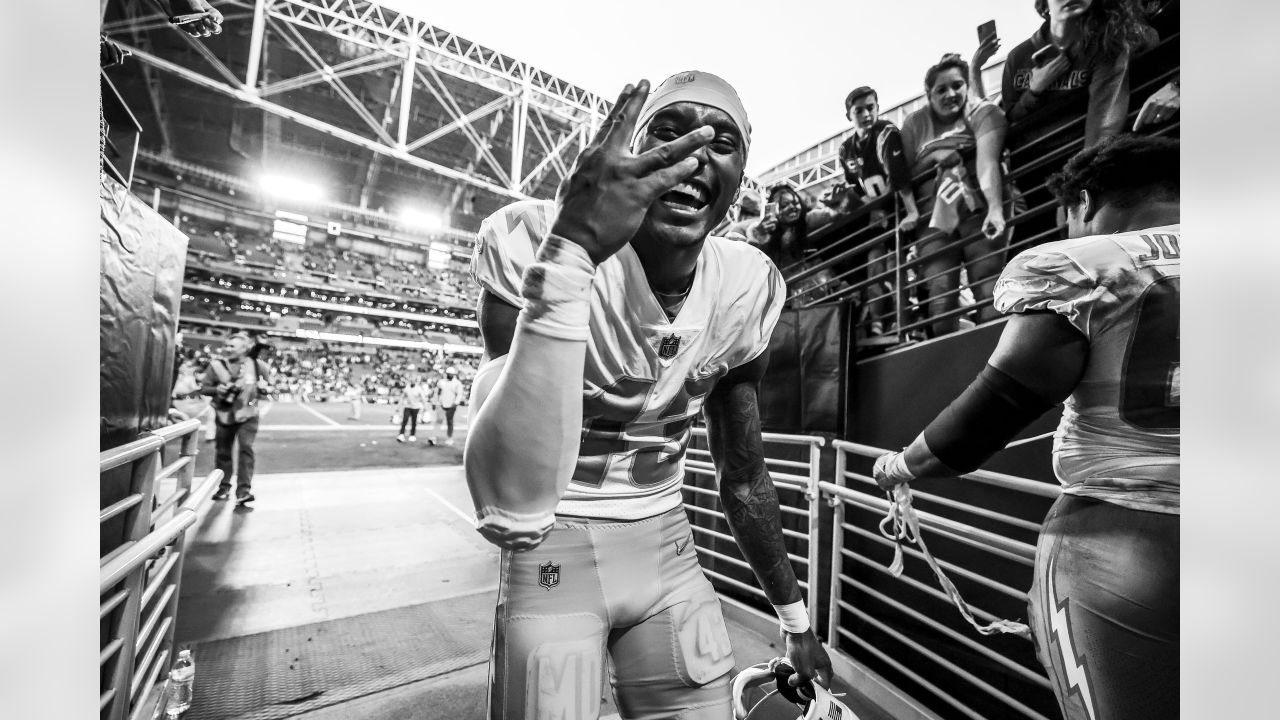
804	389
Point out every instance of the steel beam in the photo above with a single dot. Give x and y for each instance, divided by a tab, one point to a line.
241	94
256	37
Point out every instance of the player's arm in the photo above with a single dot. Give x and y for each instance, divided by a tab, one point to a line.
525	437
1038	361
750	504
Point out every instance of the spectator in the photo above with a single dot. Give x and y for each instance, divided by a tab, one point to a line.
356	399
959	140
449	393
783	234
235	382
1076	64
412	398
874	164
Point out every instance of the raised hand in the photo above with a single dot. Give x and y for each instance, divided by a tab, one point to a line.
610	188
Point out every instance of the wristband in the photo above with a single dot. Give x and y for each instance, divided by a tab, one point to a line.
557	290
794	617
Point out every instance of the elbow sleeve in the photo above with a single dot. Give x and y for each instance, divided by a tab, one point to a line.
986	416
514	531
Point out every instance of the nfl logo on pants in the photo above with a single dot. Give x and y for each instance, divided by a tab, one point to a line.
548	575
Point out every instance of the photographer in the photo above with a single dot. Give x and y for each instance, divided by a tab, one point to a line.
235	382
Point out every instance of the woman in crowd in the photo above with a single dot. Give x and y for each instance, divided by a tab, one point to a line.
1076	64
958	140
783	234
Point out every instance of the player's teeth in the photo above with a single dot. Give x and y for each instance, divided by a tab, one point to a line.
688	189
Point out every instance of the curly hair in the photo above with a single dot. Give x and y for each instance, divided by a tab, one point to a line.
948	61
1111	27
1123	171
773	247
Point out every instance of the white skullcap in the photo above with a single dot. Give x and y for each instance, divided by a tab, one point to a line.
699	87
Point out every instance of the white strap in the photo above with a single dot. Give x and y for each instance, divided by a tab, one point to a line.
905	525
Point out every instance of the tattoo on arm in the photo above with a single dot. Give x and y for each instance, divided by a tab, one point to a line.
747	493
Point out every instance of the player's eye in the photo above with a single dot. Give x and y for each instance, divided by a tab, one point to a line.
664	132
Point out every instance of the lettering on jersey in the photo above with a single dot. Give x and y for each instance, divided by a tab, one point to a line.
563	681
549	575
1161	246
669	346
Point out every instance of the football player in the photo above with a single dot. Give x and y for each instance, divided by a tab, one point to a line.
610	319
875	164
1093	321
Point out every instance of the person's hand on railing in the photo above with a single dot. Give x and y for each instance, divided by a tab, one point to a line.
1160	107
908	222
993	225
890	470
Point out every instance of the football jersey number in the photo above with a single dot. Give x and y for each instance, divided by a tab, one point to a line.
609	415
1150	393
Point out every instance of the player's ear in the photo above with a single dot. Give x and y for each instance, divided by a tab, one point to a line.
1088	206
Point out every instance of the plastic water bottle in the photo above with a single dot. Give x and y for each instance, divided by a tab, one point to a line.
181	680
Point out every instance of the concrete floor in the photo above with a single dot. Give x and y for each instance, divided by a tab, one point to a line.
320	546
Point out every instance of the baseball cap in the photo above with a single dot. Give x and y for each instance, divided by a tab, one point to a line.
703	88
855	94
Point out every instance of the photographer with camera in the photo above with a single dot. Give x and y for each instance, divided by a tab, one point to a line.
235	381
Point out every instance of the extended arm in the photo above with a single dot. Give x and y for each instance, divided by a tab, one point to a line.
751	503
1038	362
990	140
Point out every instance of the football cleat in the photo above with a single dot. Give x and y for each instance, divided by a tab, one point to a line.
781	701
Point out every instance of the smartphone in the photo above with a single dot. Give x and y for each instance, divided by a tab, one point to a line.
184	19
771	210
986	30
1045	54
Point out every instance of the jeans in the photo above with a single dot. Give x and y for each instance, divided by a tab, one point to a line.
243	433
448	417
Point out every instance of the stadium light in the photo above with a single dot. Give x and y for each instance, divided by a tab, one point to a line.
420	219
291	188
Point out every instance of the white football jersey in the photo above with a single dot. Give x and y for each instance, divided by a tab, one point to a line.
1119	439
646	377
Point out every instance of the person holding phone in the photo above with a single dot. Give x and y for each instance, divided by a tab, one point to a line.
988	44
1076	64
959	139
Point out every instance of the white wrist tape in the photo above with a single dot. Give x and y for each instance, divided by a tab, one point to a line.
557	290
794	617
897	468
511	530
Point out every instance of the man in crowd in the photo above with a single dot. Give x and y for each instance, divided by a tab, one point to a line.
449	394
610	320
235	381
1093	320
413	397
875	165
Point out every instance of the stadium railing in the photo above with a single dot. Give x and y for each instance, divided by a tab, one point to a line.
139	579
795	476
838	556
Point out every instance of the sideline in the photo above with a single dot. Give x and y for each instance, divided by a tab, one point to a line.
319	414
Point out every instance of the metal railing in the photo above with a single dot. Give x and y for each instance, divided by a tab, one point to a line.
797	483
842	493
139	578
850	571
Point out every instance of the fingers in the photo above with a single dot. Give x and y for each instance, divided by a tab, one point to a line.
618	133
663	179
615	113
670	153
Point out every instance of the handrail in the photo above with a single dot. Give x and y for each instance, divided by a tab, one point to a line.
138	551
986	477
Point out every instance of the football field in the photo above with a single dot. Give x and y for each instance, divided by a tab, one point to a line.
302	437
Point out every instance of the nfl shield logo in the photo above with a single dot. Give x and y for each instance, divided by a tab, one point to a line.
548	575
669	346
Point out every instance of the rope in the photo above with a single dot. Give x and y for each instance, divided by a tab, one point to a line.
903	524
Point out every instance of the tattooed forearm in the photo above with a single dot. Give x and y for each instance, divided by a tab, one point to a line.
746	492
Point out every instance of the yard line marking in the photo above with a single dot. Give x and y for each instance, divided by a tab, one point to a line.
470	519
318	414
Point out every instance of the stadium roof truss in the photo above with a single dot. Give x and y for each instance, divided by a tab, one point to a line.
549	119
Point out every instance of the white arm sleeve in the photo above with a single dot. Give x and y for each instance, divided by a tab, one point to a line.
524	440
